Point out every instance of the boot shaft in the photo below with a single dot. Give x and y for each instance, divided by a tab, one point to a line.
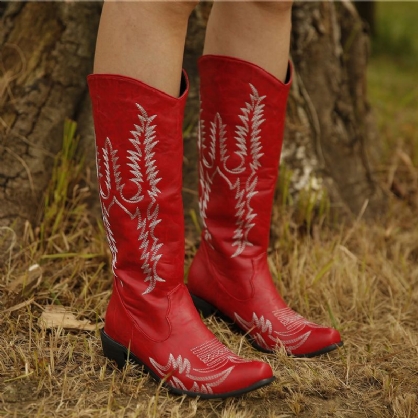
151	318
241	132
139	162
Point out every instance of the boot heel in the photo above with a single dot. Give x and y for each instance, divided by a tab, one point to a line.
204	307
113	350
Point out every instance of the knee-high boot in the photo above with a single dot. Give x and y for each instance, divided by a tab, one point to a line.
241	131
151	318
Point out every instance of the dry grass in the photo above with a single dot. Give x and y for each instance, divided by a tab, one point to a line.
368	290
361	278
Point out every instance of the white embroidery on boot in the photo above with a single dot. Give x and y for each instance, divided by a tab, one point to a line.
291	321
258	325
249	147
110	158
207	168
146	225
201	382
291	344
215	355
146	173
203	180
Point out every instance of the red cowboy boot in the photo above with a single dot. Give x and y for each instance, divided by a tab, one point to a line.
241	132
151	318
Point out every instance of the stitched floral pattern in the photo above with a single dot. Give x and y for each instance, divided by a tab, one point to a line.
296	329
143	168
213	354
216	355
241	179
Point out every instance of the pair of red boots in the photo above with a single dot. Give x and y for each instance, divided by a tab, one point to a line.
151	318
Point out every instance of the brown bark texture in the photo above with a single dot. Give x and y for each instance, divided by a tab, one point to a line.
330	48
47	51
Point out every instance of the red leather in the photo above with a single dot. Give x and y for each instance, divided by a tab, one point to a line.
241	131
139	158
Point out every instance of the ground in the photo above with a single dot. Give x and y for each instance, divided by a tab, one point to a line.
358	276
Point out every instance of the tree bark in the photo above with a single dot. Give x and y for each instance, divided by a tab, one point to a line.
367	11
47	52
330	49
329	124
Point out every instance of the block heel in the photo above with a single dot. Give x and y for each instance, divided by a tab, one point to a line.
113	350
204	307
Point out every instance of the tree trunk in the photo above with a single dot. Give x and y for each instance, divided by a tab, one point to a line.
47	51
367	11
330	49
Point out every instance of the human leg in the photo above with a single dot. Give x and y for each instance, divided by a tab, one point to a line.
144	40
151	318
242	119
257	32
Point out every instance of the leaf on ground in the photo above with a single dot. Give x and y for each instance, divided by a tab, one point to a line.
31	278
18	306
58	316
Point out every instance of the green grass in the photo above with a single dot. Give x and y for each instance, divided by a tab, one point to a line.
397	32
393	92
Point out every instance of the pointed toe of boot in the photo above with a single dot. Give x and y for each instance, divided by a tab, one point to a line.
249	376
321	341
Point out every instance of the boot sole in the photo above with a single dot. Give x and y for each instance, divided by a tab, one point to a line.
121	355
207	310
